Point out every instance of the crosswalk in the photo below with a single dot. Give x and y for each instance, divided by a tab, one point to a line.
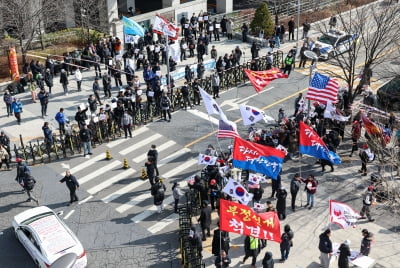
123	189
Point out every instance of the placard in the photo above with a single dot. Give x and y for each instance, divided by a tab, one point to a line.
211	28
136	50
82	106
151	48
186	25
157	49
200	19
110	62
205	17
217	26
139	92
87	122
158	73
118	57
113	105
140	56
95	119
184	46
150	93
102	117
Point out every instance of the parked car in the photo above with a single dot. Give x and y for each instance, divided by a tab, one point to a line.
389	95
334	42
47	238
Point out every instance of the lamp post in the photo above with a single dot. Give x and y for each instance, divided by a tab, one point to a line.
312	56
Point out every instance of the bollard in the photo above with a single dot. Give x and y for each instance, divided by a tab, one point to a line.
125	164
108	155
144	174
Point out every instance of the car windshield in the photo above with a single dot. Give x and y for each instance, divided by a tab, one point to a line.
327	39
52	234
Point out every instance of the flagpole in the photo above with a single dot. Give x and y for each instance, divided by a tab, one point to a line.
301	195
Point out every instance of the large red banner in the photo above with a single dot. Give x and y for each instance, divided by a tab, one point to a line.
240	219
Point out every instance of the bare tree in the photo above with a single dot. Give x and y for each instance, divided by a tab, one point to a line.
25	19
378	34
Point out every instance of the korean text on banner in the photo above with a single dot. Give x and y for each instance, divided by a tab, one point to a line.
240	219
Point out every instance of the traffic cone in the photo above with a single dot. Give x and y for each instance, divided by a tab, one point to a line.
108	155
144	174
125	164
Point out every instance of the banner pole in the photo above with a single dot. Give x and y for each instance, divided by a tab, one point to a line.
301	195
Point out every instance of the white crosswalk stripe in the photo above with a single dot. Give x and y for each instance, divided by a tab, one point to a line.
163	223
99	171
111	181
134	134
161	148
86	164
204	116
142	143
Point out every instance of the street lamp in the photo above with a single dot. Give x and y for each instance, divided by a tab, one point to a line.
314	57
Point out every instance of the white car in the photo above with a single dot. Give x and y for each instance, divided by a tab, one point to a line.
334	42
47	238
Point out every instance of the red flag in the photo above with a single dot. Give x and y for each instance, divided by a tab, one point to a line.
241	219
162	26
374	130
260	79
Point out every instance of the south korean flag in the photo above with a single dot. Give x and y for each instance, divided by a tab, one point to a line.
207	159
236	190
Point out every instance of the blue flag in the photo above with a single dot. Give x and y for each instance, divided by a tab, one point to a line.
131	27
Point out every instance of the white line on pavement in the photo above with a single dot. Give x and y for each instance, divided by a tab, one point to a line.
69	214
85	200
163	223
160	148
204	116
99	171
121	140
140	144
110	181
85	164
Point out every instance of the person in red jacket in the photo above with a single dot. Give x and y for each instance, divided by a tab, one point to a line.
355	136
311	189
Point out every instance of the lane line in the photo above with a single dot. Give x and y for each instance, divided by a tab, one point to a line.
69	214
163	223
204	116
99	171
140	144
121	140
111	181
138	183
251	96
85	164
160	148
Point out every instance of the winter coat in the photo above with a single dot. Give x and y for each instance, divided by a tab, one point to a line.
366	245
281	202
43	97
85	135
126	120
229	26
64	78
158	193
286	239
220	238
7	98
268	261
60	118
325	244
71	182
48	79
16	107
205	217
343	261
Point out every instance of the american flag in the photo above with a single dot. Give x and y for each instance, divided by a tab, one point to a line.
323	89
227	129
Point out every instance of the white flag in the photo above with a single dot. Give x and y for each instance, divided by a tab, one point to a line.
254	178
342	214
331	112
236	190
252	115
282	148
175	52
212	106
207	159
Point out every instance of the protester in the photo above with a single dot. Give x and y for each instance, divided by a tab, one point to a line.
281	203
366	242
61	120
268	261
311	189
368	200
325	247
295	184
72	184
176	192
4	157
222	260
158	192
85	134
251	249
344	254
16	107
205	219
286	242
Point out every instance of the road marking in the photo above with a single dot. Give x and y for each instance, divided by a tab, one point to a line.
99	171
163	223
140	144
121	140
111	181
160	148
204	116
138	199
251	96
85	164
85	200
138	183
69	214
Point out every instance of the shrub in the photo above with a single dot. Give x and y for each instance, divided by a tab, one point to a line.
262	21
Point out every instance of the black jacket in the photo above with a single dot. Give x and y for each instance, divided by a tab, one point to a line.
85	135
71	182
343	261
205	216
325	244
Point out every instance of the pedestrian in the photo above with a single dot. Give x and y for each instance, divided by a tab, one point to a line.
185	96
222	260
64	81
176	192
254	50
289	61
44	100
229	29
158	193
205	219
275	186
297	103
195	240
281	202
303	57
48	79
196	92
126	122
153	153
245	30
216	27
344	254
29	183
286	242
281	115
332	22
220	241
365	155
4	157
17	109
96	90
81	116
78	77
165	106
48	135
291	25
311	189
268	261
8	99
294	189
282	33
31	86
325	248
366	242
216	84
277	32
61	120
85	134
368	201
149	164
5	142
72	184
251	249
214	53
306	28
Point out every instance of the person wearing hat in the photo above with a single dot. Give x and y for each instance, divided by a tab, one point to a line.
366	242
22	171
44	100
281	115
81	116
344	254
286	242
368	200
325	247
158	192
72	184
214	190
153	153
5	142
8	99
205	219
17	109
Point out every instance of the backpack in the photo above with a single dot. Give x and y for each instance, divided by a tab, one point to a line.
164	102
294	186
160	190
29	182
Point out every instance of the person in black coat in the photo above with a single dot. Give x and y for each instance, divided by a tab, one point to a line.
286	242
158	192
48	79
150	169
295	184
153	153
281	203
325	248
72	184
220	242
268	261
222	260
344	249
205	219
